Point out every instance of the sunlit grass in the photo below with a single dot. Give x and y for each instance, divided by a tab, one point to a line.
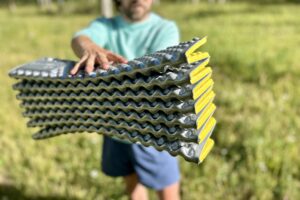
254	53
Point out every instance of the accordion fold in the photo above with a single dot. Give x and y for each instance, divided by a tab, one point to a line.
164	99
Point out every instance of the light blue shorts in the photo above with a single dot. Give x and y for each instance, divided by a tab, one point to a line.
154	169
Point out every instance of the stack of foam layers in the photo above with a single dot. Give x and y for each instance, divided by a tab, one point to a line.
164	100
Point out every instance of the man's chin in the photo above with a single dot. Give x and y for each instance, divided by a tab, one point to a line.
138	16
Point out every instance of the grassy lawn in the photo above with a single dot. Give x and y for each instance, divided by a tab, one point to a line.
255	56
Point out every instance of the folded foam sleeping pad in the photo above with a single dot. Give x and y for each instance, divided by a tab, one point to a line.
163	99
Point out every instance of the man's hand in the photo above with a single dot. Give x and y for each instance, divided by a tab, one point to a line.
91	54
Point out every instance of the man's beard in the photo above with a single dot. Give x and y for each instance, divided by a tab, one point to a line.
135	15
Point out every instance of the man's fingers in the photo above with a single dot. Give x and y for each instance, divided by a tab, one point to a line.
116	58
78	65
90	64
102	59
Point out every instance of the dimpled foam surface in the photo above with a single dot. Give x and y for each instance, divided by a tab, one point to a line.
164	99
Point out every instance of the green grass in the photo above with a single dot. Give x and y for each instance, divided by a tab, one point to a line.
255	57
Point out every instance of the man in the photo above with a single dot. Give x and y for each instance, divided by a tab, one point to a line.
134	33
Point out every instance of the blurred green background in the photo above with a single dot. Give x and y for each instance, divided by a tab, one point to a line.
254	48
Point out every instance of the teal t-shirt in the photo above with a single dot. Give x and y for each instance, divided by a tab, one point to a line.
132	40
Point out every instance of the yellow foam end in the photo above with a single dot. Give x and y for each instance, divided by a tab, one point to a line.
199	68
196	46
207	113
201	87
206	149
207	71
194	57
207	129
203	101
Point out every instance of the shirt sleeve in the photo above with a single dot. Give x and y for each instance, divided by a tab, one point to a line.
167	35
97	31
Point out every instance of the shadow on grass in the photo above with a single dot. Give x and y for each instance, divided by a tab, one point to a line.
8	192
